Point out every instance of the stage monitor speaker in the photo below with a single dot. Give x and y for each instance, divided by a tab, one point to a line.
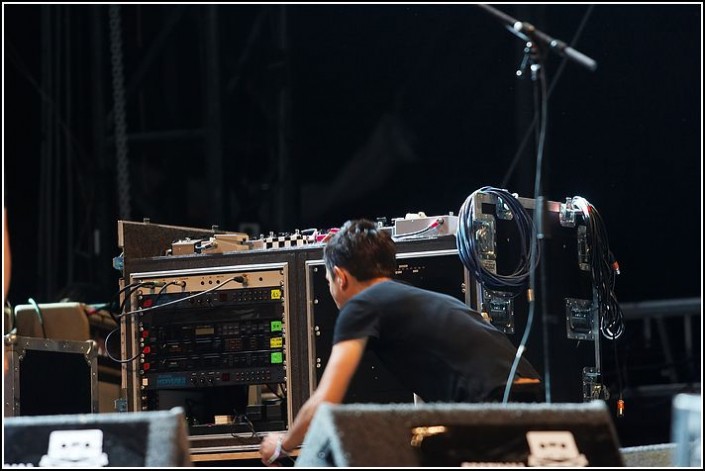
659	455
133	439
450	435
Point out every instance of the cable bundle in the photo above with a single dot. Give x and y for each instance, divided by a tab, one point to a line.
604	269
470	255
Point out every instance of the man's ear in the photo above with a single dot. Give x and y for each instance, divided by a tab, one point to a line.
341	277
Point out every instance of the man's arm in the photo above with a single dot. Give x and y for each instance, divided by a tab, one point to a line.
344	359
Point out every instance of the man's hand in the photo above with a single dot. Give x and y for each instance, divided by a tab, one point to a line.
271	449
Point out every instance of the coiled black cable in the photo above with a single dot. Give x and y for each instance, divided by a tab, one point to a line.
604	269
469	253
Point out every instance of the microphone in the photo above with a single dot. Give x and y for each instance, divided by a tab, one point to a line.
528	32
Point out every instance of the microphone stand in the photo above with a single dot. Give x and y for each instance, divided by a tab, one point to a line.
536	42
527	32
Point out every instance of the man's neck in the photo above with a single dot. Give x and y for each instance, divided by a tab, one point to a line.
363	285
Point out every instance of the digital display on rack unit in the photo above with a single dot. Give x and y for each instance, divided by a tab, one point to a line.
207	330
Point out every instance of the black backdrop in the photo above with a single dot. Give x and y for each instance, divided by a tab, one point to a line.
392	109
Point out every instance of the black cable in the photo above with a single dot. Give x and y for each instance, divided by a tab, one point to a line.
604	270
134	286
142	284
541	105
163	289
244	418
109	355
523	274
530	129
238	278
128	290
541	115
274	391
520	350
40	316
114	308
470	254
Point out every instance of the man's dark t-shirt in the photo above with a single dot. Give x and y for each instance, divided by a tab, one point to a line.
437	346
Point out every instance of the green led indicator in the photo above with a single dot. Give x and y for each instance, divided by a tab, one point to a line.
276	326
277	357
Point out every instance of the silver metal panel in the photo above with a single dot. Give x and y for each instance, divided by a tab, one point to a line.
16	348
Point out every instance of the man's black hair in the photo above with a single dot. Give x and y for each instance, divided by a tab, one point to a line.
363	249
